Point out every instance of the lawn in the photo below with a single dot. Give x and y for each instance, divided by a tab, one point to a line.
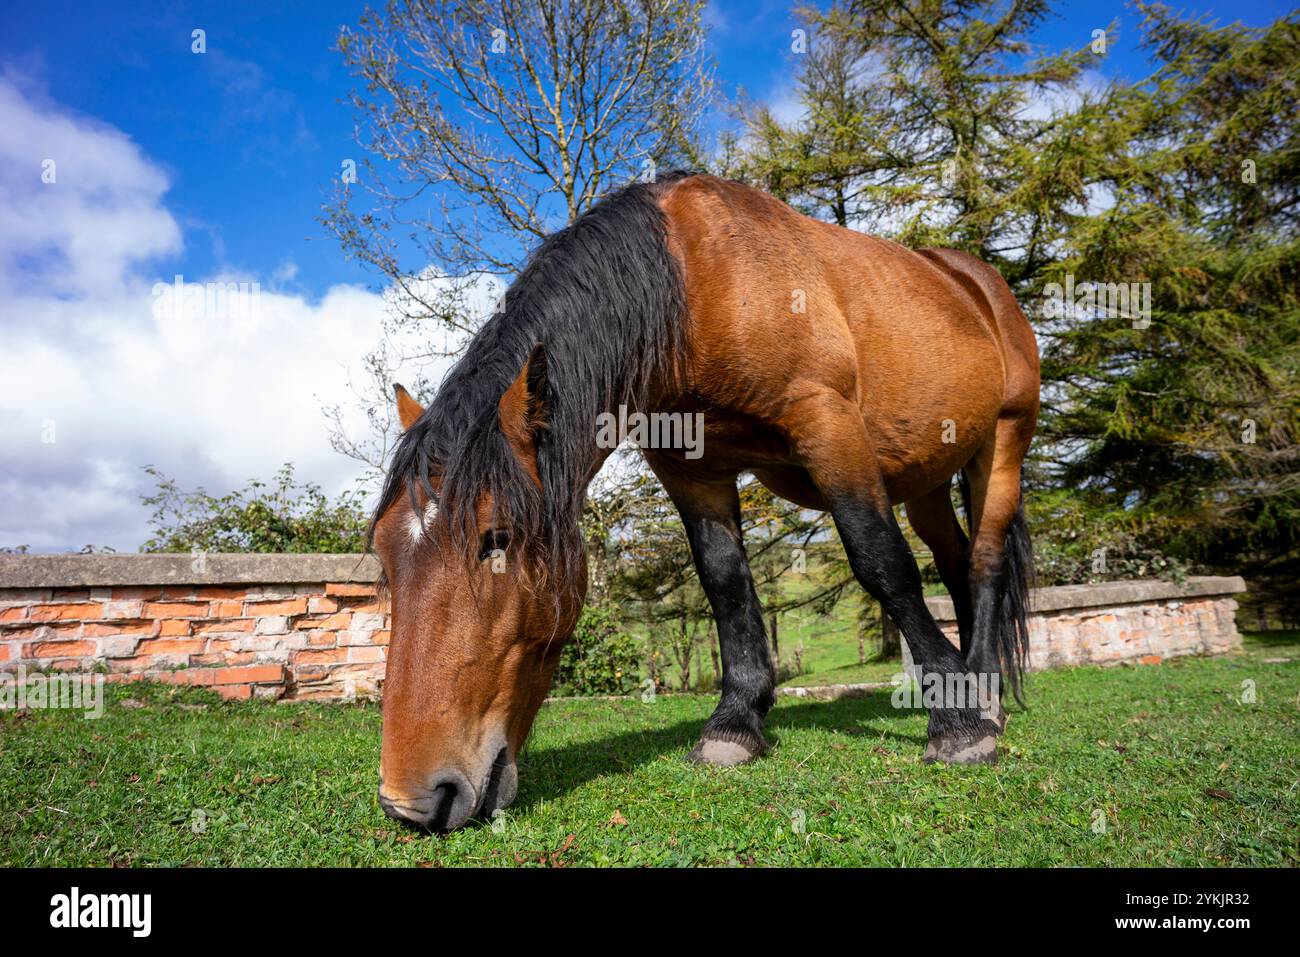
1160	765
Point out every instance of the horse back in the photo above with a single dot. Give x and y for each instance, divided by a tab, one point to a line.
780	305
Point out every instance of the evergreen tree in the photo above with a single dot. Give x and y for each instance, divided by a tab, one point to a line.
1189	425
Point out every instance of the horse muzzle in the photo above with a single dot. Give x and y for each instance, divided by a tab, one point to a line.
449	800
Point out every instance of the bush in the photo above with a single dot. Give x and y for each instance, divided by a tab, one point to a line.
283	516
1077	542
601	658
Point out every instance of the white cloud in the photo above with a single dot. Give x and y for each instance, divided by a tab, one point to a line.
1061	99
101	215
785	101
209	398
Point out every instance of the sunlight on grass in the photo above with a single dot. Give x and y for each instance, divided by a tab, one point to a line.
1126	766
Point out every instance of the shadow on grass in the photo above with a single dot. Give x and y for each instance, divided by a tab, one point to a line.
546	774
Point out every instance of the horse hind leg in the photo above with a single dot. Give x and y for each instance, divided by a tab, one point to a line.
828	434
932	518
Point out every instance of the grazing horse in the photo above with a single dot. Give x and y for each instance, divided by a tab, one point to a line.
846	373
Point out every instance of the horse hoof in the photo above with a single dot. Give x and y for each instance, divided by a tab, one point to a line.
722	754
962	750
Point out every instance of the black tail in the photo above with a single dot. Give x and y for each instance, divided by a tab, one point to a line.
1013	612
1012	590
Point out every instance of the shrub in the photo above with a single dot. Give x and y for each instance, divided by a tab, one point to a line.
283	516
1077	542
601	658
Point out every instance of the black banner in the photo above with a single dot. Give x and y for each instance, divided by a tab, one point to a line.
939	908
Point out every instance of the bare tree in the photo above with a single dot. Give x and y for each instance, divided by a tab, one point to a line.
485	125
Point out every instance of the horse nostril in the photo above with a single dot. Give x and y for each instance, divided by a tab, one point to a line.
502	783
443	803
452	801
444	806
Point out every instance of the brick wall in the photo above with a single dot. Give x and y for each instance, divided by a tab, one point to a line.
1138	621
312	627
324	637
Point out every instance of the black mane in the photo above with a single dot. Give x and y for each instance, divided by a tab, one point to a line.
605	298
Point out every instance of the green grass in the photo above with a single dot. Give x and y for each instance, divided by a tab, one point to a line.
830	641
1183	772
873	672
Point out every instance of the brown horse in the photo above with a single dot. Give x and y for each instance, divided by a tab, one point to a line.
847	373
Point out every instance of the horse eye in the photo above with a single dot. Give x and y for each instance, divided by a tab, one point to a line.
497	538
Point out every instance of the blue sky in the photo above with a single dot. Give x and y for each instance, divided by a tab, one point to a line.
251	132
215	166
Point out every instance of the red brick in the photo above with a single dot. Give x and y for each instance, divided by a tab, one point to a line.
170	646
380	637
4	652
60	630
60	649
176	609
320	604
126	627
322	639
363	654
235	692
17	613
223	592
225	609
320	656
372	605
172	627
225	626
223	659
254	674
337	622
348	588
76	612
288	606
136	594
1149	660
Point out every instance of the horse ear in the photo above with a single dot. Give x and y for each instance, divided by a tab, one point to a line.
408	410
524	407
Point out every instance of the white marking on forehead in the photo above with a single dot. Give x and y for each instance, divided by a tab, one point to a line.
418	523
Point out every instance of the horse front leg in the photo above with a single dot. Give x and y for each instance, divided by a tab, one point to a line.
711	513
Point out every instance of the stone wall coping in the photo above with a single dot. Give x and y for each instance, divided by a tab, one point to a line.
99	571
1061	597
